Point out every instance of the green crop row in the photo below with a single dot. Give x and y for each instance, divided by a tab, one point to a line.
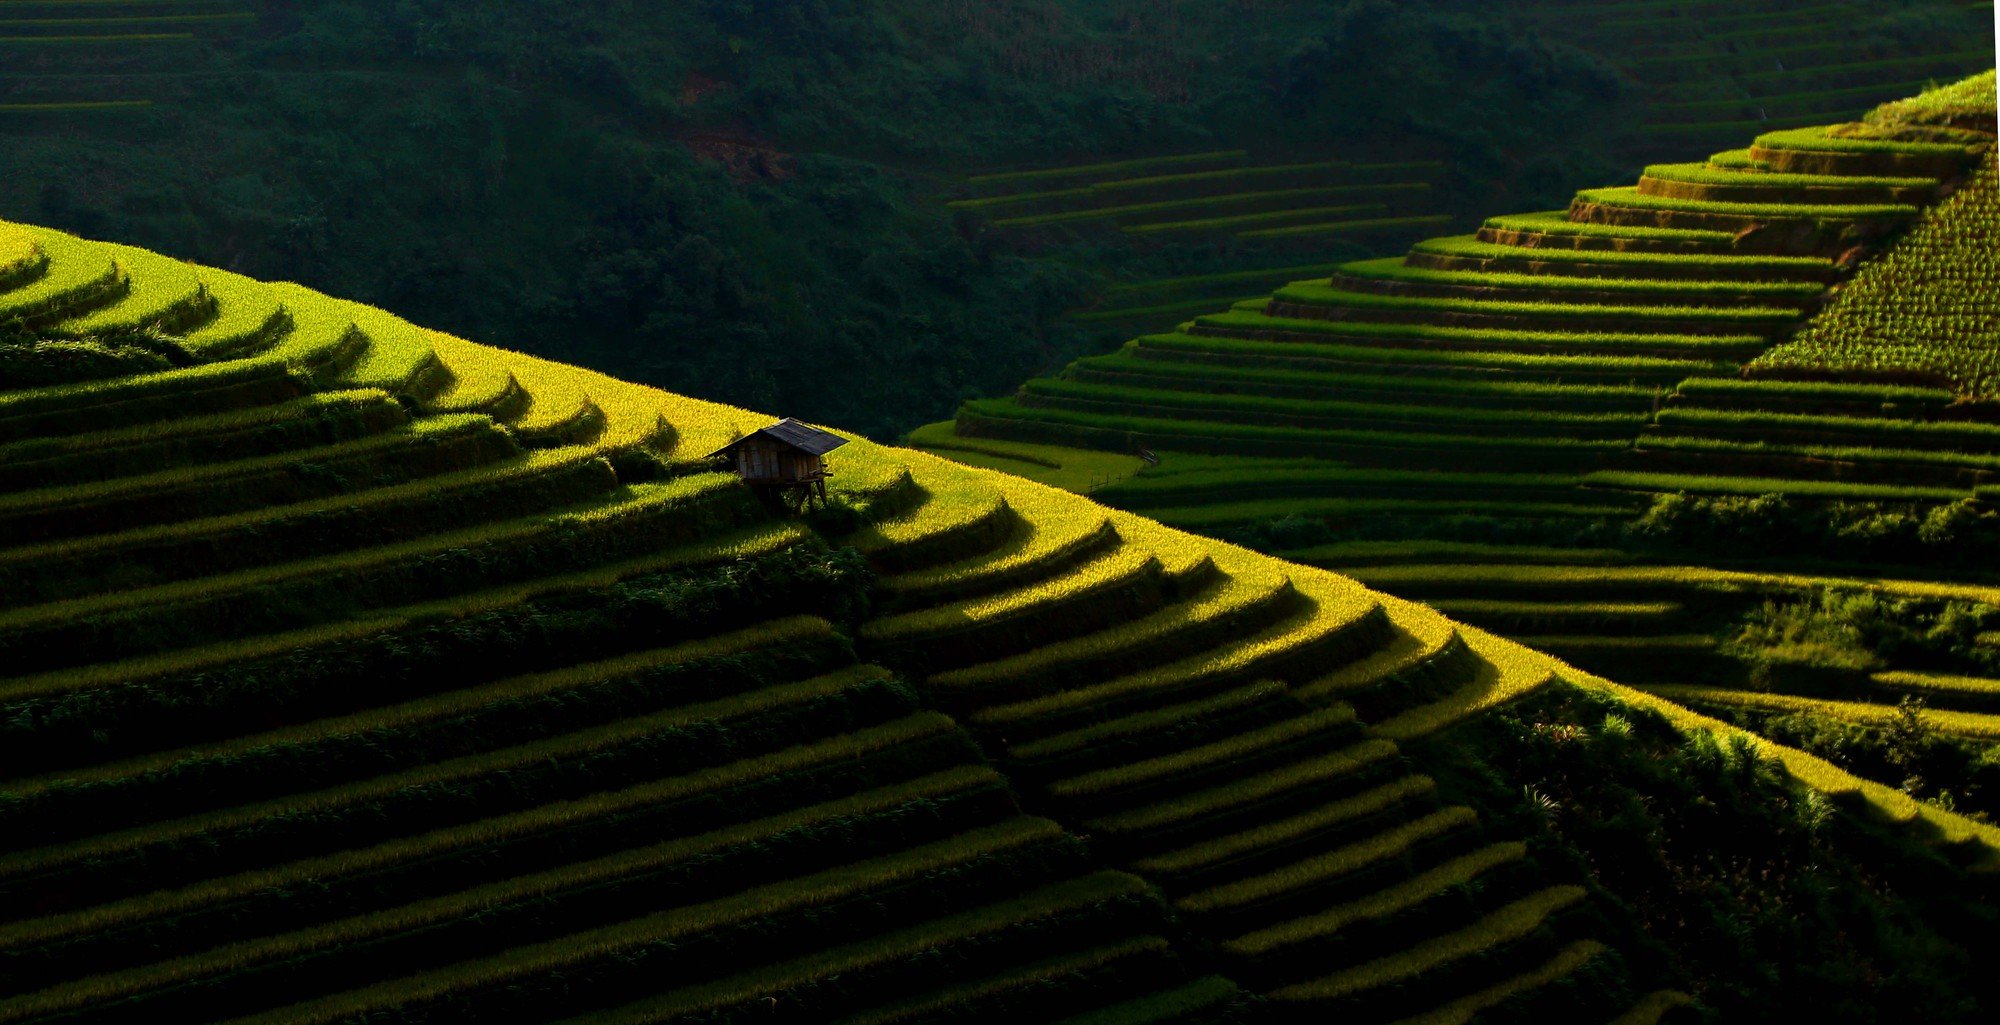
1161	635
575	745
1074	427
925	941
1049	537
120	38
1193	806
1109	167
1158	402
1344	227
1557	222
1738	389
1241	220
675	928
1325	295
1481	365
1390	553
1226	174
662	926
1505	925
1943	460
1229	847
162	292
1118	568
961	1002
748	543
1973	725
1715	485
1313	629
318	738
1389	843
1323	723
1077	427
1466	1009
322	417
1097	213
1161	310
1825	139
1206	517
331	868
1471	247
1629	197
1226	277
1393	269
1969	97
75	107
383	515
958	516
1141	491
1925	309
1148	723
247	316
1703	174
215	478
76	272
1168	1006
1980	437
1203	377
1417	888
1492	338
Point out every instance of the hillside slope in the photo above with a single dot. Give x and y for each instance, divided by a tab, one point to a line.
354	671
1671	434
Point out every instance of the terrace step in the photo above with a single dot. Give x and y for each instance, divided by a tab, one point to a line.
73	278
1467	253
1806	229
1512	927
491	852
1720	185
1548	314
347	585
1286	839
178	551
1142	369
1122	583
1567	616
1210	614
250	433
263	761
1394	277
1812	151
1469	363
1319	633
394	457
147	398
1237	903
1222	760
1556	230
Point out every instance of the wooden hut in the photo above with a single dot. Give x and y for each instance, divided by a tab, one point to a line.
786	458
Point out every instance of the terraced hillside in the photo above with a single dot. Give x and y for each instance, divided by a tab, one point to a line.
1719	71
1669	434
68	59
1278	210
354	671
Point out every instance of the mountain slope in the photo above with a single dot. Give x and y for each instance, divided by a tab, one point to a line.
357	671
1671	434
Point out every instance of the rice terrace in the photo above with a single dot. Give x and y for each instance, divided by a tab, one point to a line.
1087	512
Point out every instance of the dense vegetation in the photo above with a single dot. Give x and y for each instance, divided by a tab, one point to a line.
355	670
1626	432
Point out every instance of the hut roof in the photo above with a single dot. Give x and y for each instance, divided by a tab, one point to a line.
803	437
